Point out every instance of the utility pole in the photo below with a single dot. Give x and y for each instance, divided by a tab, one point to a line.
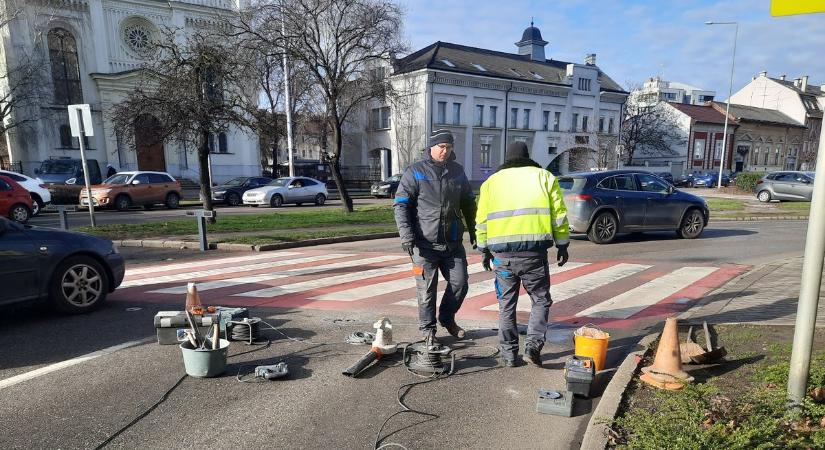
288	105
724	155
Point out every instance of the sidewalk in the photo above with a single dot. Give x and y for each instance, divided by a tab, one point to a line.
767	295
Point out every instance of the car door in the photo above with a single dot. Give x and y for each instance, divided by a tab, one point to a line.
160	185
141	192
783	186
6	198
631	203
803	187
661	211
19	264
310	189
295	191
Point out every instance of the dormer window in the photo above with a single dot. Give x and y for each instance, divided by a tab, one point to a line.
516	72
447	62
479	67
536	76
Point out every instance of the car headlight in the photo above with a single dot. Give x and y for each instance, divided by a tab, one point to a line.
219	192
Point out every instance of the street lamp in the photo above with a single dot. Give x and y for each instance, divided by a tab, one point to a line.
730	92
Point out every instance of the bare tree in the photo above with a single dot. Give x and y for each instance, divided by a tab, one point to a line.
408	116
196	85
339	42
649	130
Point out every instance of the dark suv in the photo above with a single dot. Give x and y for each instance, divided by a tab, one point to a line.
604	204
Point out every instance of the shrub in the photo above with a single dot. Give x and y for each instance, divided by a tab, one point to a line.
747	180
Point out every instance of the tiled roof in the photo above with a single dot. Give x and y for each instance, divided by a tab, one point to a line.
755	114
477	61
811	89
701	113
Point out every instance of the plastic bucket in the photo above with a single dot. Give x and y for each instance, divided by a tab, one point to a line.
204	363
591	342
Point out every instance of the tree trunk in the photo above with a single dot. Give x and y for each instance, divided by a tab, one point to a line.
346	201
274	169
203	163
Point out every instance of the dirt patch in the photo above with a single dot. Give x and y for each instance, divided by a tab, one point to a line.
738	403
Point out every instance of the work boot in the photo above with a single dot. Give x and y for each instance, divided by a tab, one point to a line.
515	362
431	340
454	330
532	355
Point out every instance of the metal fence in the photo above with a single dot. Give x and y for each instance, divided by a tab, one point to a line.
11	166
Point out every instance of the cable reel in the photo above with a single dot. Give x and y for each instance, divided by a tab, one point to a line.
429	360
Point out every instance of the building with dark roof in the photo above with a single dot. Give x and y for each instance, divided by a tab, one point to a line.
798	99
567	113
700	149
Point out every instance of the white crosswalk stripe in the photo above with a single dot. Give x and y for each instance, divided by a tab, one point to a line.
252	279
579	285
487	286
372	290
324	282
206	263
631	302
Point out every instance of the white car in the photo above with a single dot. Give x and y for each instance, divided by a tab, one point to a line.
40	195
296	190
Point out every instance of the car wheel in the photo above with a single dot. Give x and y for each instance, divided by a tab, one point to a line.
37	204
123	202
276	201
172	200
19	213
604	228
233	199
692	225
79	284
764	196
320	199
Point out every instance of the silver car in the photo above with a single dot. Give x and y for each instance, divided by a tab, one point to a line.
785	185
296	190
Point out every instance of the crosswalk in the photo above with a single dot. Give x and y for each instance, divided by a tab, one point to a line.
607	292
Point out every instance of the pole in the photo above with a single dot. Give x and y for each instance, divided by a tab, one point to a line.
809	286
724	155
85	168
288	106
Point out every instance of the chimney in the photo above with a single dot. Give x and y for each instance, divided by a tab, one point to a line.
763	73
782	77
804	83
590	59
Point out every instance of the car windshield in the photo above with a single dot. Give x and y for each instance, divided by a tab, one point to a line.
57	167
118	178
810	174
280	182
572	184
235	181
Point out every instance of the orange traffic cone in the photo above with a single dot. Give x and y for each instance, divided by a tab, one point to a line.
666	371
193	300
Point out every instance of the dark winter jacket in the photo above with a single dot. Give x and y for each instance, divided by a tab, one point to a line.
429	202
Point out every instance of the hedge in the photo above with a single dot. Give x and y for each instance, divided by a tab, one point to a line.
747	180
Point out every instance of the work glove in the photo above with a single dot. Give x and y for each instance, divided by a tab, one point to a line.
488	257
473	239
561	254
408	247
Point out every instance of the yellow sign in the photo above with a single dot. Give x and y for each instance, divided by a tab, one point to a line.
791	7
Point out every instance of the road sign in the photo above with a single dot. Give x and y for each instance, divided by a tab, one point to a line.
74	121
791	7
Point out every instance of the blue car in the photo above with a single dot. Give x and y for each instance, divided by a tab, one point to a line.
604	204
710	179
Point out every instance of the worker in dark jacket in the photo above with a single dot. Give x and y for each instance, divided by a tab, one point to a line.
431	199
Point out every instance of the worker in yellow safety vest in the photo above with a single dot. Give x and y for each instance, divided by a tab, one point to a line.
521	215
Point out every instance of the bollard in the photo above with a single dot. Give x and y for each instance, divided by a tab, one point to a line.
63	216
201	215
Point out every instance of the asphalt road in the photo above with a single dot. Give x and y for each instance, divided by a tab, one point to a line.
159	214
82	405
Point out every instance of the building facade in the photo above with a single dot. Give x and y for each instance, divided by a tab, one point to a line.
568	114
93	50
703	130
656	89
798	99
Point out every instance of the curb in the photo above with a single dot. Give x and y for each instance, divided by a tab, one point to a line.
757	218
594	436
181	245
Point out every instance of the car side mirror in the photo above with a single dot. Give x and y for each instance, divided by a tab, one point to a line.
135	182
671	189
71	180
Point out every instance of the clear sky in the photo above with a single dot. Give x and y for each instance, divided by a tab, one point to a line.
634	40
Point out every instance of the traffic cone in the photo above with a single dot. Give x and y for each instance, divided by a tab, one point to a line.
666	371
193	300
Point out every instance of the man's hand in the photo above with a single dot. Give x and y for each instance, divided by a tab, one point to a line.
488	257
561	254
408	247
473	239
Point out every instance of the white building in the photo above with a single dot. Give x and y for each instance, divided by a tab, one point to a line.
93	49
656	89
567	113
797	99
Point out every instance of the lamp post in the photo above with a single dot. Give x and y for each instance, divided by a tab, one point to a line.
724	155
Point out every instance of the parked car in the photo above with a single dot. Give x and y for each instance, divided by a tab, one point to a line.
64	169
604	204
15	201
710	179
39	192
667	176
232	191
73	271
786	185
387	187
125	189
684	180
296	190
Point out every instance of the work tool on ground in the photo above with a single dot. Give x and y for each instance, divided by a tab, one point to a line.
690	348
360	338
712	354
428	358
666	371
246	330
199	341
382	345
557	403
579	373
272	372
216	336
171	325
